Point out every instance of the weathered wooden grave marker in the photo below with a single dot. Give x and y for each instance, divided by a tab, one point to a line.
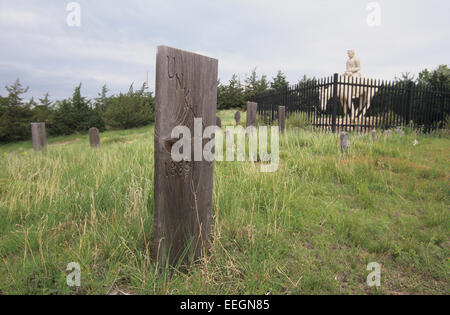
399	131
94	137
39	138
237	117
251	114
281	118
218	122
345	142
186	88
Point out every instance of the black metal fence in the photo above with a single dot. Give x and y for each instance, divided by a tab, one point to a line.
358	104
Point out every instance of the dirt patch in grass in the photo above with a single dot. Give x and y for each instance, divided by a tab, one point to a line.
398	165
64	142
354	160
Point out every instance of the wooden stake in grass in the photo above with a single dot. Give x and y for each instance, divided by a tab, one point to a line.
345	142
251	114
281	118
237	117
218	122
186	88
38	135
94	137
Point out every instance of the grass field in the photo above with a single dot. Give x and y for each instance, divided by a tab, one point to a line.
312	227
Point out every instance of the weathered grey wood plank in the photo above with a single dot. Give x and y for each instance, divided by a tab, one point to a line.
237	117
94	137
186	88
251	114
218	122
38	135
345	142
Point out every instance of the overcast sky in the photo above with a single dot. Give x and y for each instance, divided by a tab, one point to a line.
116	41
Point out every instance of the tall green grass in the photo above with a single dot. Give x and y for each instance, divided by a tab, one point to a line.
311	227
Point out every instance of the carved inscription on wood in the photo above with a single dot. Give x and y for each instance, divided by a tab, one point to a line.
186	88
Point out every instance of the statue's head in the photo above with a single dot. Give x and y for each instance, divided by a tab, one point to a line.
351	53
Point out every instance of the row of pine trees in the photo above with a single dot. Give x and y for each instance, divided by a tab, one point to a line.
123	111
72	115
236	94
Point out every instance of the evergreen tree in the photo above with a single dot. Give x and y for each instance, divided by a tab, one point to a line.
438	78
130	110
405	79
15	116
60	122
75	115
3	101
254	85
31	103
81	111
279	82
231	95
102	99
43	110
3	104
15	93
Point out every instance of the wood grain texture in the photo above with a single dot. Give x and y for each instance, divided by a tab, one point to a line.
237	117
38	135
345	142
218	122
251	114
94	137
282	118
186	88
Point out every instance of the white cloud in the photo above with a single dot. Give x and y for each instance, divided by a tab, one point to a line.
116	43
17	18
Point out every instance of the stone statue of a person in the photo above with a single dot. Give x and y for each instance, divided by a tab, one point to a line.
353	65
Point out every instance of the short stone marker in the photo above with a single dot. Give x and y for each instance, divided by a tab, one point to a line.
218	122
374	135
345	142
186	89
281	118
94	137
251	114
387	132
399	131
38	136
237	117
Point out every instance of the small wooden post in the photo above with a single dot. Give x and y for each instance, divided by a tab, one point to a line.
186	90
38	135
251	114
345	142
281	118
94	137
218	122
399	131
237	117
